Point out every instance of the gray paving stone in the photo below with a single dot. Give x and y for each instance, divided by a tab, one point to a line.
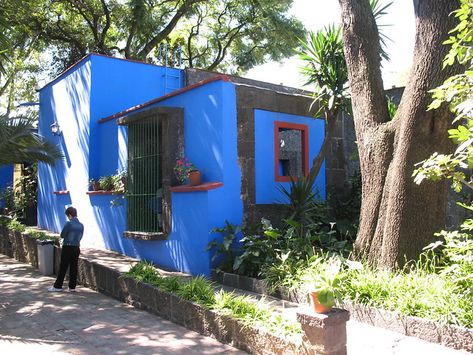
35	321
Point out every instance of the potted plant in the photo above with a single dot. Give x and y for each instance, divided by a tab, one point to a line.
94	185
106	183
323	285
186	170
120	181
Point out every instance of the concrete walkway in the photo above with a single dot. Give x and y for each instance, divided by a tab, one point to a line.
35	321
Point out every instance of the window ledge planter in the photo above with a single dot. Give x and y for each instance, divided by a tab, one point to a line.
145	235
103	192
206	186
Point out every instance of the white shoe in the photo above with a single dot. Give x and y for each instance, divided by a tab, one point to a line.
54	289
71	290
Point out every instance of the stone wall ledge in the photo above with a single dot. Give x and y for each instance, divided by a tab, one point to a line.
452	336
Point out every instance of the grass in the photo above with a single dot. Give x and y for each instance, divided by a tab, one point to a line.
416	293
201	291
423	289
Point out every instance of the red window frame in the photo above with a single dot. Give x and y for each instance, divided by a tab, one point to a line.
304	148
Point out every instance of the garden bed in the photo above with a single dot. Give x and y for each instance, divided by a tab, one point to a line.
19	245
448	335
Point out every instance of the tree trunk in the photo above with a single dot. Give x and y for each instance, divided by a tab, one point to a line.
398	218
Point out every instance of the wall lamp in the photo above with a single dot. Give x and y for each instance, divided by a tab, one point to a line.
55	129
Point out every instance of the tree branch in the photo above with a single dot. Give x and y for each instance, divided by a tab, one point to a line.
361	46
166	30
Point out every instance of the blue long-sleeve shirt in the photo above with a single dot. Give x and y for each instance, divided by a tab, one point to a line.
72	232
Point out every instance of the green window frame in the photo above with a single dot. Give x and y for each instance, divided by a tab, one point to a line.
145	187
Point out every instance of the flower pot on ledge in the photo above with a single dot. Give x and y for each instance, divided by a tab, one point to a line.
317	306
195	178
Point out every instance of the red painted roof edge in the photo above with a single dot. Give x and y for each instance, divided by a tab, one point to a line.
84	58
164	97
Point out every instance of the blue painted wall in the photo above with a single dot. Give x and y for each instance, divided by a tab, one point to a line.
94	88
210	140
267	190
100	86
117	85
6	179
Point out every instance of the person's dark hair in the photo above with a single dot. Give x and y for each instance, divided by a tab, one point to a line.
71	211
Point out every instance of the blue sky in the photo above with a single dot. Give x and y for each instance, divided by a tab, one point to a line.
315	14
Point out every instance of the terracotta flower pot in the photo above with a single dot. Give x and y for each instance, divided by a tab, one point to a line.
317	306
194	178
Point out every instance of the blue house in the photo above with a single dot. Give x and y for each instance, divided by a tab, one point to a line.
110	114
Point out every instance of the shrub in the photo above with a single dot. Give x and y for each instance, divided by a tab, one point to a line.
201	291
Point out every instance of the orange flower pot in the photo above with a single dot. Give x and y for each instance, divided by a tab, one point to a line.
317	306
195	178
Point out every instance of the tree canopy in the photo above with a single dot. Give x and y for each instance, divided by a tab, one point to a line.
45	37
228	35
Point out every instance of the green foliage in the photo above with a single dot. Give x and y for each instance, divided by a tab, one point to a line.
182	168
40	235
456	91
379	10
225	251
326	68
225	35
302	199
120	181
414	292
106	183
201	291
23	196
456	255
16	225
20	144
392	107
325	279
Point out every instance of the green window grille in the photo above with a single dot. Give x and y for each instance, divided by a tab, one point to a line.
144	177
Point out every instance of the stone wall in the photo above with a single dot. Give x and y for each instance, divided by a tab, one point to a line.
448	335
253	94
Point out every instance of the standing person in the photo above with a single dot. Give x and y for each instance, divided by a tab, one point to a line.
72	234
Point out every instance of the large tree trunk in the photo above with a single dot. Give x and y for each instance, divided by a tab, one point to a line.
398	218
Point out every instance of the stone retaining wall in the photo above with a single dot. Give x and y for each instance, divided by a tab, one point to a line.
456	337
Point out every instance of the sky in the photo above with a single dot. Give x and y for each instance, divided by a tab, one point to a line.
315	14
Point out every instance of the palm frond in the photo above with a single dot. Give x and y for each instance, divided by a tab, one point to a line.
19	143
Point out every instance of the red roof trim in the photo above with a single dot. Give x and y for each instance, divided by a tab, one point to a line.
203	187
165	97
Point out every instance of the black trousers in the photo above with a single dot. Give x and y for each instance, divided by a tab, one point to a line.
69	259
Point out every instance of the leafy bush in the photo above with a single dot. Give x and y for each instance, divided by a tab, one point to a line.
201	291
23	196
106	183
16	225
40	235
225	251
